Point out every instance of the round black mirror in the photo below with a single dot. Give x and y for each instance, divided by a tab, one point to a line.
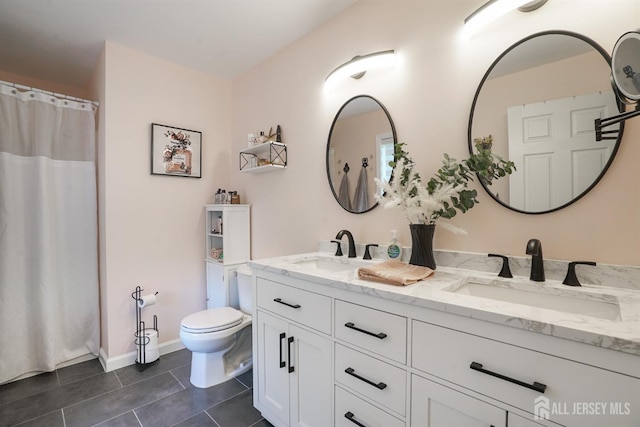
539	101
359	148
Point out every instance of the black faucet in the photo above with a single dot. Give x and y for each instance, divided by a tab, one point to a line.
352	245
534	248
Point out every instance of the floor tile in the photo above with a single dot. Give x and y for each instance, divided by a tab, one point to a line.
126	420
79	371
52	419
183	374
120	401
237	412
131	374
200	420
262	423
27	387
185	404
42	403
246	378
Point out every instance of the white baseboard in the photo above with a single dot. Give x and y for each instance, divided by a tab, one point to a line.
112	363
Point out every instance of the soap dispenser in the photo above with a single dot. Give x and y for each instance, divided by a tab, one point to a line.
394	250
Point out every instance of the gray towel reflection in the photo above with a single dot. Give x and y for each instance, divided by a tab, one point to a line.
343	193
361	198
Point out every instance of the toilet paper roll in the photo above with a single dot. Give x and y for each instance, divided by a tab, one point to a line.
146	300
151	354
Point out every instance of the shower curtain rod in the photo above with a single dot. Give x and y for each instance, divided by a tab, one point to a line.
48	92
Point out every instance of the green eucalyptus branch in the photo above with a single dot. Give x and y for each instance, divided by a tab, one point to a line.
451	180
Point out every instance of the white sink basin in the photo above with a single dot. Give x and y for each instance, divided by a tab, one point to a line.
330	264
581	301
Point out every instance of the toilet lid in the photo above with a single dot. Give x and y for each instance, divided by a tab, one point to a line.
214	319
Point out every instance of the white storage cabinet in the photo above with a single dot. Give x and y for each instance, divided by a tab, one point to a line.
232	240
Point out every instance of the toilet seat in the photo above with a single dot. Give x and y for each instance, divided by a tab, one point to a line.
212	320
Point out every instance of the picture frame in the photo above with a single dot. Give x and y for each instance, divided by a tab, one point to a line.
176	151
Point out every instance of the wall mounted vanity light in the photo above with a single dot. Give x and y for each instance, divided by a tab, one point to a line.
625	76
358	66
493	9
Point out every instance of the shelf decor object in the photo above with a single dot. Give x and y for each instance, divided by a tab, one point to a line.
175	151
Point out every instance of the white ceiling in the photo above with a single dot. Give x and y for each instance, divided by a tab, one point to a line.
61	40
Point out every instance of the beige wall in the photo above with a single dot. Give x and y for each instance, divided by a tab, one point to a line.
152	226
428	95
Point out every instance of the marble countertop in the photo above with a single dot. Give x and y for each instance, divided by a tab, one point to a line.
608	329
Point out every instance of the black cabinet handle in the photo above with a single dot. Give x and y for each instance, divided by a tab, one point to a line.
352	372
279	301
349	416
539	387
289	342
282	363
380	335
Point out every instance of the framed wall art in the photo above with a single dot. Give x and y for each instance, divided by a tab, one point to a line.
175	151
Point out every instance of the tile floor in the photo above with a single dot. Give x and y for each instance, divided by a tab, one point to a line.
161	395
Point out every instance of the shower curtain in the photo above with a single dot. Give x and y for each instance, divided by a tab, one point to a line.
48	232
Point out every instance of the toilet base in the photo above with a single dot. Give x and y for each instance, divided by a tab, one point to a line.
209	369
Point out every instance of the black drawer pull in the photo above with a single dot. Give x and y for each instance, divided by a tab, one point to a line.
349	416
539	387
289	342
380	335
352	372
282	363
278	300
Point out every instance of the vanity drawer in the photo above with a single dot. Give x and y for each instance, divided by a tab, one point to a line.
378	331
304	307
349	408
570	386
373	378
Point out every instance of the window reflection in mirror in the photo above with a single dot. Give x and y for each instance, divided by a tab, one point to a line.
359	148
538	101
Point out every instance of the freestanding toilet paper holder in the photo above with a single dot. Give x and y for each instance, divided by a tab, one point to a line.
142	339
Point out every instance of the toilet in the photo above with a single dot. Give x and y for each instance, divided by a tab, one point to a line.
220	337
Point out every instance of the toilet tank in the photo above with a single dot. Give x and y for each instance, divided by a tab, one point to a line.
245	297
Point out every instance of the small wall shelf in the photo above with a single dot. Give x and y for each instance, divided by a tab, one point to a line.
275	153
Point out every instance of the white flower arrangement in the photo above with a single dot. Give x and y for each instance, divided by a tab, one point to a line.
445	193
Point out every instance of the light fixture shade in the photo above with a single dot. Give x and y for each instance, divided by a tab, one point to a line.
489	12
361	64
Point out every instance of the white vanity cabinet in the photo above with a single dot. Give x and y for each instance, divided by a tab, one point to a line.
383	363
293	374
522	378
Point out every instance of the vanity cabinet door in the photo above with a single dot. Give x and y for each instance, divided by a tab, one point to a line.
311	380
293	374
434	405
273	374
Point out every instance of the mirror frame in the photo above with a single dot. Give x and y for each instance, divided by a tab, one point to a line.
335	119
619	103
